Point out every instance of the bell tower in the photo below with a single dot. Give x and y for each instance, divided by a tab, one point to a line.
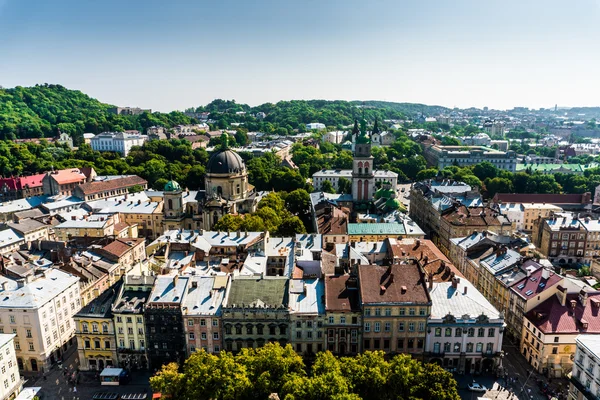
363	178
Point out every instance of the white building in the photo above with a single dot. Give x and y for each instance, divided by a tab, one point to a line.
39	311
10	241
307	313
585	376
464	329
334	175
12	383
120	142
335	137
315	125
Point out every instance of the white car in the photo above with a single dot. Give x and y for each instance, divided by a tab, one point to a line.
476	387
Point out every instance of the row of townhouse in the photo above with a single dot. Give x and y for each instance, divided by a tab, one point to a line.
407	299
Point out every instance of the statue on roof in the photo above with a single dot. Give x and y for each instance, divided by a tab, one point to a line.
224	141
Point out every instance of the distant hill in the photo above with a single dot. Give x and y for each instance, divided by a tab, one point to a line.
410	109
40	111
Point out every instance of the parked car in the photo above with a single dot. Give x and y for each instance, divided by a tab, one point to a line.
476	387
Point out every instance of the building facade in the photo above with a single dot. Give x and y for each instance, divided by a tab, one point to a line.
118	142
585	376
12	382
343	315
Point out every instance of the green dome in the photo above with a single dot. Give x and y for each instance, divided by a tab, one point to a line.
393	204
172	186
385	193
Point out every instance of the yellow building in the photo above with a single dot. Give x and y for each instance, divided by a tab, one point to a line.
95	333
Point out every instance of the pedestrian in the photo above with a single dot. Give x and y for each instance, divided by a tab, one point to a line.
74	389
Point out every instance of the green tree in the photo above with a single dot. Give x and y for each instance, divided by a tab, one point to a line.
428	173
344	185
298	202
498	185
327	187
485	170
291	226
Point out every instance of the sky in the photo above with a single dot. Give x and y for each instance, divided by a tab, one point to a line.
171	55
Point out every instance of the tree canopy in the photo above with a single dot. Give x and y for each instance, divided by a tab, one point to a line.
257	373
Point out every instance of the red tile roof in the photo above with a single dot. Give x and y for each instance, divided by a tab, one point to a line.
472	216
428	255
65	176
535	284
339	296
121	246
31	181
552	317
11	183
111	184
398	283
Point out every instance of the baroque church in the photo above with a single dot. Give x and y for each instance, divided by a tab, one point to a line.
227	191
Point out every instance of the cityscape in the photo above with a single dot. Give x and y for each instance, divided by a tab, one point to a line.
332	233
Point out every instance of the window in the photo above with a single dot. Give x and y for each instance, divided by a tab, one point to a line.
298	334
215	322
422	311
87	344
367	327
555	339
489	348
448	332
388	312
203	336
388	326
458	332
298	324
96	344
411	311
191	336
457	347
377	312
95	328
438	332
190	322
480	332
469	347
555	350
84	327
331	320
471	332
377	327
367	312
479	348
401	327
447	347
272	330
249	330
342	320
28	333
31	348
491	332
411	326
216	335
402	311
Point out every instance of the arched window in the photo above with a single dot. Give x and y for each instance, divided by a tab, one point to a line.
480	332
238	189
448	332
457	347
360	188
447	347
104	328
458	332
84	327
170	204
219	190
366	190
471	332
366	168
469	347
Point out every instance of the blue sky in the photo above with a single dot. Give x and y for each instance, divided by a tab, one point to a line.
168	55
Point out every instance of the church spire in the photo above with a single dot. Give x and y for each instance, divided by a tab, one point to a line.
375	127
355	130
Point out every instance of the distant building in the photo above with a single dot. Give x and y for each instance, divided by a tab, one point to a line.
128	110
64	181
335	137
118	142
315	125
87	138
464	156
64	138
109	187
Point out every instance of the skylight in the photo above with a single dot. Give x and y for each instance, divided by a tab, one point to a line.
529	293
521	286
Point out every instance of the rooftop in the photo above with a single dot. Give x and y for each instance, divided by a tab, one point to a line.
541	198
168	289
204	295
36	293
464	300
101	306
98	186
500	260
379	228
572	318
539	280
341	293
65	176
398	283
268	291
306	296
591	343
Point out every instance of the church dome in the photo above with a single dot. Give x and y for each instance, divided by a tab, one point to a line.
172	186
225	162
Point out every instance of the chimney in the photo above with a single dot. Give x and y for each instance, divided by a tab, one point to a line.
403	289
545	273
175	279
194	284
583	296
5	286
375	246
454	283
430	281
417	244
465	290
573	304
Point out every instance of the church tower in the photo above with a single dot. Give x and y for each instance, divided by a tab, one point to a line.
363	178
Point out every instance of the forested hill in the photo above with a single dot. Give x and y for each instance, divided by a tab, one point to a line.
43	110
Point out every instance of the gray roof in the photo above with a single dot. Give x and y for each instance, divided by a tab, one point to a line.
21	204
10	236
309	299
202	299
36	293
168	289
100	307
447	300
225	162
497	263
27	225
591	343
269	291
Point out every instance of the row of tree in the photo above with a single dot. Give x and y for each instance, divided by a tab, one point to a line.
259	373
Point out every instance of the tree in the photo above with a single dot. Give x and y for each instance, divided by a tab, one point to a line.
229	223
298	202
344	185
428	173
498	185
327	187
169	381
485	170
274	202
290	226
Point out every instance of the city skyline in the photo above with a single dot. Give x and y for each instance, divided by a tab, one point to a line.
174	56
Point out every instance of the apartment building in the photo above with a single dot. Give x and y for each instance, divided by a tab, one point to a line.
255	311
550	330
95	332
109	186
128	316
13	383
523	215
343	315
396	305
585	376
561	238
307	314
201	309
465	330
164	321
31	229
39	311
63	182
